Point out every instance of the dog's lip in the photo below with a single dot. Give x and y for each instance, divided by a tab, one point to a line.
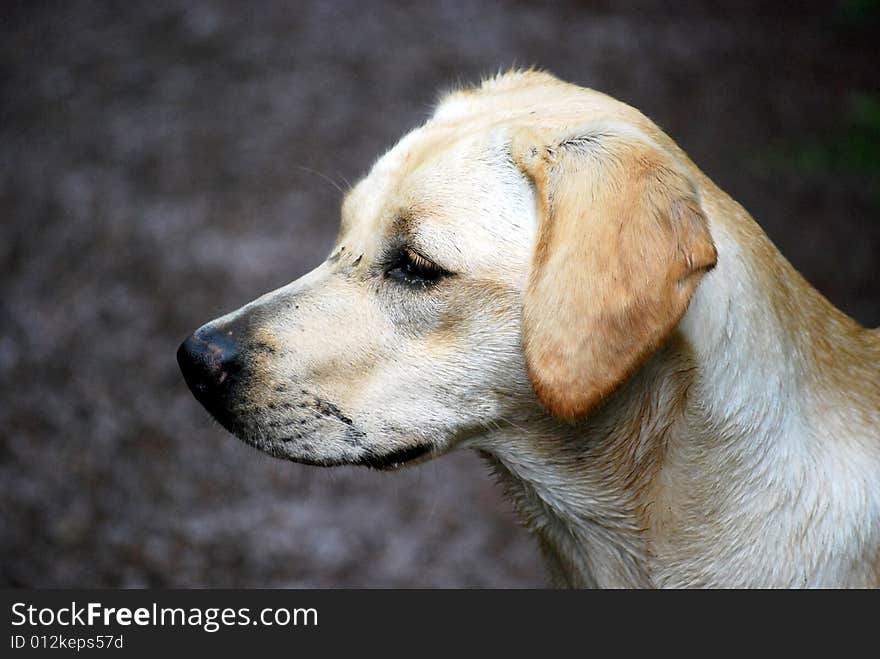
385	462
389	461
397	458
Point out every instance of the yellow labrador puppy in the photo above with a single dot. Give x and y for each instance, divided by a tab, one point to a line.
541	274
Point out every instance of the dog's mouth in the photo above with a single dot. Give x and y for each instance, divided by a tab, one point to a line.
396	459
392	461
288	447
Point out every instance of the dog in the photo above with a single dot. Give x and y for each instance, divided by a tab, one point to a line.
541	274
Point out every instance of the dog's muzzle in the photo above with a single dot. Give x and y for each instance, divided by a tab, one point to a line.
211	363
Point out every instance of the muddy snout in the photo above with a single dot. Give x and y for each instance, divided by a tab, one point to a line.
211	361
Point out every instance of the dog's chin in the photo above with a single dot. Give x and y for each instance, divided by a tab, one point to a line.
363	457
399	458
391	461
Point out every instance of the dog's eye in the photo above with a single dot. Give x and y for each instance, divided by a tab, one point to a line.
413	269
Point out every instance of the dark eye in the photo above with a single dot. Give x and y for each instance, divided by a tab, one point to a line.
413	269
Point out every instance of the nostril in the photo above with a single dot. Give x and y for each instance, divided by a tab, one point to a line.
208	361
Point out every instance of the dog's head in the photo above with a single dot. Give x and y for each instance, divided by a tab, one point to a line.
519	254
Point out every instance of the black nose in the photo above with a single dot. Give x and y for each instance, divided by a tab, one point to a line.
210	362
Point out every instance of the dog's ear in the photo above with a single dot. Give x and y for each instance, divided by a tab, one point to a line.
621	245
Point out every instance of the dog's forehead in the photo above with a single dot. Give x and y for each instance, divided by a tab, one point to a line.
389	183
454	176
465	125
453	184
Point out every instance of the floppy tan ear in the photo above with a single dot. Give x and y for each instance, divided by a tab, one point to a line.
621	245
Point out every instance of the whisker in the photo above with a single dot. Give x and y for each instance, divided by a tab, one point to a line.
324	176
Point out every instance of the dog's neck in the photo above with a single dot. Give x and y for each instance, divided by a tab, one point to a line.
716	462
584	489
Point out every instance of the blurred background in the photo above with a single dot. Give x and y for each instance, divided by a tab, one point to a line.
164	162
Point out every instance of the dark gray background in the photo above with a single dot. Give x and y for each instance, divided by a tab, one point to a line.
164	162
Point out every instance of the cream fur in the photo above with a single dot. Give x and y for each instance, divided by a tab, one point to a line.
732	436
